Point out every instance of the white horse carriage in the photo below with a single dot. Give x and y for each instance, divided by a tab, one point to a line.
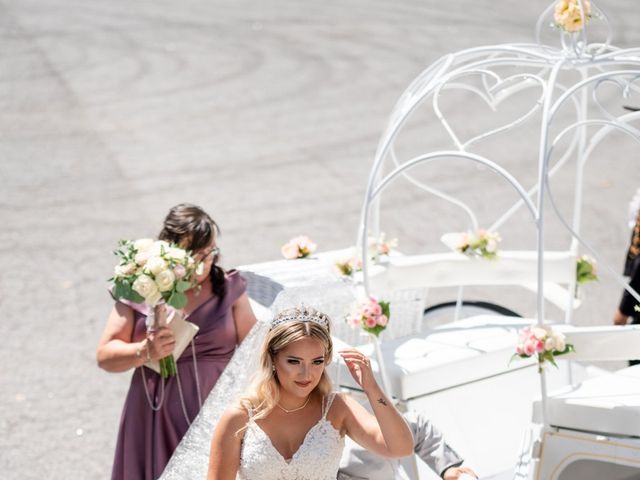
453	363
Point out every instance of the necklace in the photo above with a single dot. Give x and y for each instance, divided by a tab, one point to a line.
294	409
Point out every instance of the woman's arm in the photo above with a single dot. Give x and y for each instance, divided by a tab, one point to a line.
243	317
386	433
117	353
224	457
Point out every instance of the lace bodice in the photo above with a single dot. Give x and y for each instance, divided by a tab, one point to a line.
317	458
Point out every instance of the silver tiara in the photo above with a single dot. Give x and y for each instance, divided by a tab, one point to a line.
301	314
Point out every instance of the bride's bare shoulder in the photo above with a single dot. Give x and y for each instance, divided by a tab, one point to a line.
234	419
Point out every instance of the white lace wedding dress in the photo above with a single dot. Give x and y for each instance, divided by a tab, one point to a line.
318	458
190	461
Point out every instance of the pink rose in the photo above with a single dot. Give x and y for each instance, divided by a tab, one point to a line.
519	349
290	250
355	321
179	271
370	322
382	320
529	348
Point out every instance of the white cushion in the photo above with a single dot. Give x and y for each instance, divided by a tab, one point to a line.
606	404
448	356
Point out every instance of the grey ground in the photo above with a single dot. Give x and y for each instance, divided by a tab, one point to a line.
265	113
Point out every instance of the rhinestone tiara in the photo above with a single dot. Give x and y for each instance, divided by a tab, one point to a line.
301	314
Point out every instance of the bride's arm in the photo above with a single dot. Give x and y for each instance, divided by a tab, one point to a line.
224	458
386	432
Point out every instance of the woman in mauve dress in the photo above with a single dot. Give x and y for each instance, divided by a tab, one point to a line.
219	307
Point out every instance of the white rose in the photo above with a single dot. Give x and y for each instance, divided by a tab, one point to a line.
154	298
539	333
156	265
176	253
143	244
158	247
141	258
549	344
125	270
492	246
165	280
559	341
145	286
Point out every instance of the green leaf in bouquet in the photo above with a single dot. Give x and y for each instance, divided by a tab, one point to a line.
182	286
567	349
123	289
386	309
177	300
377	330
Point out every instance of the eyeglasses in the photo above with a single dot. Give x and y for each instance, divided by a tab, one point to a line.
213	251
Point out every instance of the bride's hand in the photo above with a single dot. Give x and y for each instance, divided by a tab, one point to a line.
360	368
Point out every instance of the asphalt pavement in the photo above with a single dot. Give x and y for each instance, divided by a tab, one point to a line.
267	114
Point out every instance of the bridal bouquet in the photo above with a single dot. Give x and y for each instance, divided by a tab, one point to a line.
481	243
586	269
154	272
567	15
371	315
542	342
298	247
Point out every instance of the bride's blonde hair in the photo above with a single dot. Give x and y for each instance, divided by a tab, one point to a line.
287	327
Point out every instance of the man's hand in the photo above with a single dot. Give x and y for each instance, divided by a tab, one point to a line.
620	318
454	473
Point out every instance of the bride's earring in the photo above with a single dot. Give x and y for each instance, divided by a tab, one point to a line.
273	370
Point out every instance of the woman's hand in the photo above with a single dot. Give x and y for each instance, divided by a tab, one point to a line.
454	473
360	368
160	343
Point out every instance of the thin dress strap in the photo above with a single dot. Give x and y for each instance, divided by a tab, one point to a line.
249	408
326	404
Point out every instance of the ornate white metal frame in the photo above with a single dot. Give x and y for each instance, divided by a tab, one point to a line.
596	65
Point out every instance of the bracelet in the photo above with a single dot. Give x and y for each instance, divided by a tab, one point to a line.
139	353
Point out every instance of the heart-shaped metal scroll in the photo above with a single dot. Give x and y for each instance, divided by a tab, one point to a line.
626	86
494	91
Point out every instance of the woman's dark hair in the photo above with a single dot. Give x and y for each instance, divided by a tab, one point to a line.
193	229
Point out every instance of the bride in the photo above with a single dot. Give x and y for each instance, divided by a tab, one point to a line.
290	425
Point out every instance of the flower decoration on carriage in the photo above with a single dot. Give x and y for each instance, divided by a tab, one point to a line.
380	246
481	243
586	269
377	247
154	272
371	315
349	266
543	343
298	247
568	15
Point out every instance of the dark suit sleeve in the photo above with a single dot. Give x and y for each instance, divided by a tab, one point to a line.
628	302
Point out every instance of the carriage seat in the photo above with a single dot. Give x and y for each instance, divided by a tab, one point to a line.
608	404
447	356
